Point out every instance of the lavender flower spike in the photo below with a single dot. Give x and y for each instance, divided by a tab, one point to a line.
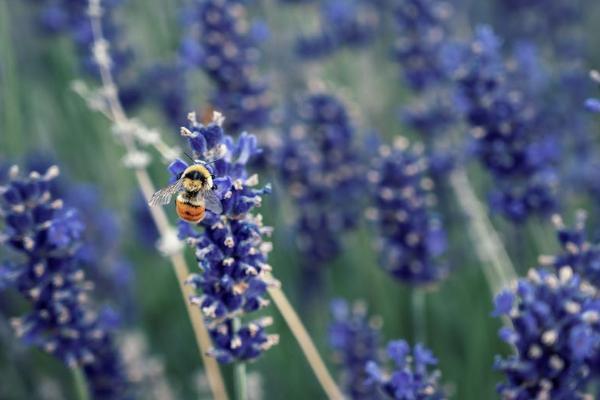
233	272
555	333
355	339
411	238
411	379
593	104
45	237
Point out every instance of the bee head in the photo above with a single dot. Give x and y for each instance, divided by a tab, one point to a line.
196	178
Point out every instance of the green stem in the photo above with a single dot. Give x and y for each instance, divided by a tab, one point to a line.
81	387
239	371
418	315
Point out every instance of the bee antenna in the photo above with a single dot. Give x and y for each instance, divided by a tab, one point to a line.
213	161
188	156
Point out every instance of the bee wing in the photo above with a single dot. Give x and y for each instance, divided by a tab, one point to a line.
163	196
212	202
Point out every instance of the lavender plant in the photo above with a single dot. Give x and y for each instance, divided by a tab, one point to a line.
355	338
219	42
424	33
411	377
321	165
44	237
555	318
510	136
411	239
555	334
231	253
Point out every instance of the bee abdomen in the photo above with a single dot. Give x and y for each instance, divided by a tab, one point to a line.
189	212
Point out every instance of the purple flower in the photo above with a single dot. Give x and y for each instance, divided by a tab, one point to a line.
355	339
220	43
411	378
514	141
555	333
321	166
233	274
411	238
47	236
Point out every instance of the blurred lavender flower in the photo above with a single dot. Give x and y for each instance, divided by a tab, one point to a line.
45	238
411	379
220	42
355	339
344	23
410	238
232	256
423	30
423	38
555	332
513	141
322	168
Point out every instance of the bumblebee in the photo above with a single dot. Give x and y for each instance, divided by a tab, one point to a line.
195	191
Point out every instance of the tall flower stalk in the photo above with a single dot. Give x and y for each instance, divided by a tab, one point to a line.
110	104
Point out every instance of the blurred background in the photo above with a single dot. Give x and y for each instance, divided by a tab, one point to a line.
44	49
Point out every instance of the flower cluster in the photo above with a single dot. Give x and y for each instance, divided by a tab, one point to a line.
321	166
344	23
232	257
555	332
411	239
412	378
424	34
423	29
512	140
71	17
99	252
220	42
577	251
45	237
355	339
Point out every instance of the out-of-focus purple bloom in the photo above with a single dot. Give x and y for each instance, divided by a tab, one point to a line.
355	339
344	23
423	30
555	332
46	236
513	140
232	257
423	39
219	42
411	239
321	166
411	379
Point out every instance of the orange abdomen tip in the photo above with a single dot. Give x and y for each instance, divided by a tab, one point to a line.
189	213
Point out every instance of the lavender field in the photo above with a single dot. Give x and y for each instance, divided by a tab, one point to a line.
299	199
